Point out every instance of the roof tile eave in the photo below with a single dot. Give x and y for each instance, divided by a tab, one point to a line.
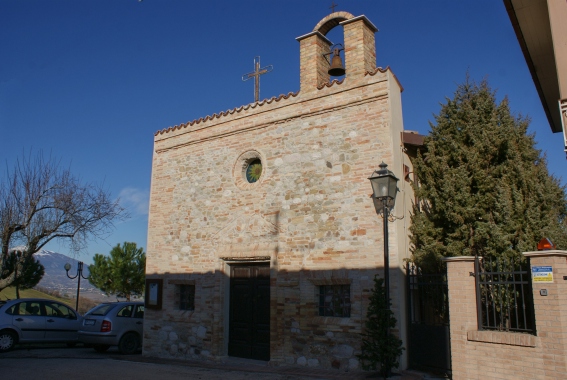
227	112
381	70
330	84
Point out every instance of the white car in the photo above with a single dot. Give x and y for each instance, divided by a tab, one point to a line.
35	320
114	324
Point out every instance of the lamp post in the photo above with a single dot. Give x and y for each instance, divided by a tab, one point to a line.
78	275
384	187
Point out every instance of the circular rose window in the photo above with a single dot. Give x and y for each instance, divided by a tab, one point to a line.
254	171
249	170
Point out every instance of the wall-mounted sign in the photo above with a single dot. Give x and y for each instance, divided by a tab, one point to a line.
542	274
154	289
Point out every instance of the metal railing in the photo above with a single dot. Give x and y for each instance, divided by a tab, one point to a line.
504	295
428	338
428	298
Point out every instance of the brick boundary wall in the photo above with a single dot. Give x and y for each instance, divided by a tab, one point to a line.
505	355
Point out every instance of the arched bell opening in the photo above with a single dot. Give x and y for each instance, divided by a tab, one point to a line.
353	58
335	57
330	27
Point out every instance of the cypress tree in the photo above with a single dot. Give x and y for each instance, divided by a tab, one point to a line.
380	348
484	186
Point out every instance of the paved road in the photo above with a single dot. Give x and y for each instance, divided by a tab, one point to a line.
57	362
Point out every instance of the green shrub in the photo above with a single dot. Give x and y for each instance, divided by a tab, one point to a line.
380	348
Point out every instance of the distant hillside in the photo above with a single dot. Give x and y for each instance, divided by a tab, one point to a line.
55	277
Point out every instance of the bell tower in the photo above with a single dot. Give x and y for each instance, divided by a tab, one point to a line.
359	48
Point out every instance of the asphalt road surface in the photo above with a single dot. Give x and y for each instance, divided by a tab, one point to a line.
58	362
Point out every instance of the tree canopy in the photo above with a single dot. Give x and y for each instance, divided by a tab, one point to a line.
484	187
32	271
123	273
40	201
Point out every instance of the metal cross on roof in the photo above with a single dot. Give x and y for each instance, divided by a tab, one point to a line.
256	75
332	7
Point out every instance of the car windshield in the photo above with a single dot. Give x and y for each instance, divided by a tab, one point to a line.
102	309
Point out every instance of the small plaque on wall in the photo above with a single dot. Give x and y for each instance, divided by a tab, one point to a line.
154	290
542	274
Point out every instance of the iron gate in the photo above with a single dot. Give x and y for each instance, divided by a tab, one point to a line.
429	347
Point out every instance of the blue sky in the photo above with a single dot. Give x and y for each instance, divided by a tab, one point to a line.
91	81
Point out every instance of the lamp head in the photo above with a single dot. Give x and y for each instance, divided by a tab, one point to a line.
384	187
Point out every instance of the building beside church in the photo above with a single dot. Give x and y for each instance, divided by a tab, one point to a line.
263	239
542	33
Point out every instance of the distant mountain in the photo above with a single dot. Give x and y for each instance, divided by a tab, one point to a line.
55	277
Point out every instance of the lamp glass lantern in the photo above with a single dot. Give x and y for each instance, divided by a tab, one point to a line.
384	186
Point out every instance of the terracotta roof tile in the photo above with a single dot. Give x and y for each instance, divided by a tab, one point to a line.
329	84
259	104
225	113
383	71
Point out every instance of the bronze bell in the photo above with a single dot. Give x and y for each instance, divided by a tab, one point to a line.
337	69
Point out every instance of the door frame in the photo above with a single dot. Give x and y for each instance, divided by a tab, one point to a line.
228	263
428	332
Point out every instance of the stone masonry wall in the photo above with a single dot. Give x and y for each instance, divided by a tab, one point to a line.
310	216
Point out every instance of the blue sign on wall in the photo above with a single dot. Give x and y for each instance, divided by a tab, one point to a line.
542	274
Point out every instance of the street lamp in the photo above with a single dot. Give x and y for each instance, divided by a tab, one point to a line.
384	187
78	275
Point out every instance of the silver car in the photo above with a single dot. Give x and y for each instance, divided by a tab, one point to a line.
35	320
114	324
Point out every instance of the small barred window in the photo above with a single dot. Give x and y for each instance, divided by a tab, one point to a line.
185	297
334	301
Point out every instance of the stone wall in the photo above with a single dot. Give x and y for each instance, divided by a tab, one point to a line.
310	216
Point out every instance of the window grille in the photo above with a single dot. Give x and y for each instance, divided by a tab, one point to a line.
334	301
185	297
504	295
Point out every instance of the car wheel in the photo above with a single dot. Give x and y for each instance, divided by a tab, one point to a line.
8	340
101	347
128	344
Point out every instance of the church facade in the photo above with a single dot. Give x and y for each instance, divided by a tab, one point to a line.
263	239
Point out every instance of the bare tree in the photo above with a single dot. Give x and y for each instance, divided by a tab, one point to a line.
40	201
